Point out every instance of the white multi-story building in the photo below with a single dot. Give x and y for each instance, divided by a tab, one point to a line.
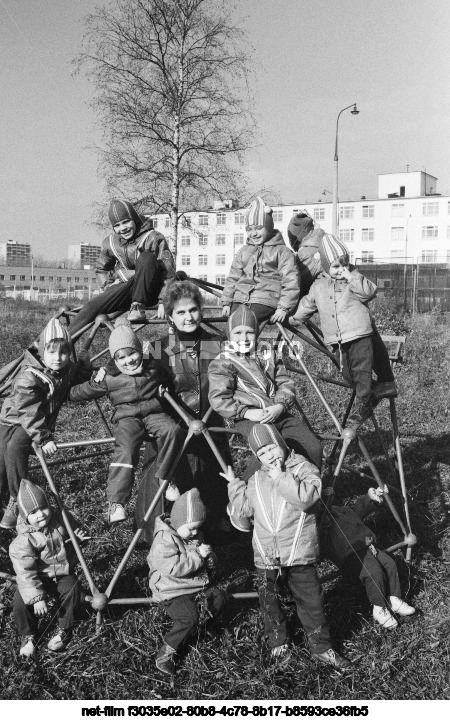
14	253
407	220
83	255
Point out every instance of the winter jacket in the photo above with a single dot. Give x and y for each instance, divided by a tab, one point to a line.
240	382
309	266
117	259
133	396
38	394
263	273
341	305
41	553
342	531
285	530
176	566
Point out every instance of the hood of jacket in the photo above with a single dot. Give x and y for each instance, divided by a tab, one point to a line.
146	225
275	239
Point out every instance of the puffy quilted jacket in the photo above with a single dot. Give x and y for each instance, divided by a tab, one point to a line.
285	529
263	273
41	553
117	259
240	382
176	566
341	305
37	395
132	396
342	530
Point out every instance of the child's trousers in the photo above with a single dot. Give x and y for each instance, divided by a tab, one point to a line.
307	594
185	616
69	594
129	434
15	449
378	574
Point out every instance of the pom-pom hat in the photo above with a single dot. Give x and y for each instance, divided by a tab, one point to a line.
259	214
30	498
331	248
243	316
54	330
123	210
299	226
123	336
188	508
263	434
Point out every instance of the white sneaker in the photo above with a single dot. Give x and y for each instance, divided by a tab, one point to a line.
401	607
59	641
27	648
116	513
172	493
384	618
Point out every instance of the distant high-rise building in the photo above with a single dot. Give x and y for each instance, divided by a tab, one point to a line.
83	254
14	253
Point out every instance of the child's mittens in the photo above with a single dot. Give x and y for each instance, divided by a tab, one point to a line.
204	549
226	310
376	494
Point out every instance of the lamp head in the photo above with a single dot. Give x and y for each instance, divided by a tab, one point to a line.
355	110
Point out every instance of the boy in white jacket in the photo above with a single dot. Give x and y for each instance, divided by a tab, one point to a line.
280	497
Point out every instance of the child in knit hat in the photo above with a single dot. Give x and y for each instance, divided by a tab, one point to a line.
281	497
179	561
134	266
133	385
247	388
340	295
30	411
264	273
43	559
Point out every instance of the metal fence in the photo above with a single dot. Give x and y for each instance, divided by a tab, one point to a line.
416	287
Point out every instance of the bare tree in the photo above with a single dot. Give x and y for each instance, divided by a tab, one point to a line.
172	93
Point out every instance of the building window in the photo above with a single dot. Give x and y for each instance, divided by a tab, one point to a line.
319	213
395	254
346	212
221	219
185	241
448	232
203	220
76	280
367	256
220	240
41	278
397	233
22	277
429	256
12	277
220	260
368	211
202	277
347	235
277	216
202	239
239	218
155	222
2	277
220	279
448	206
398	210
239	238
68	280
185	260
203	260
430	208
167	222
59	279
85	280
367	234
429	231
50	278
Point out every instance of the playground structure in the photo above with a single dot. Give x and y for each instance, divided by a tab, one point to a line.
341	440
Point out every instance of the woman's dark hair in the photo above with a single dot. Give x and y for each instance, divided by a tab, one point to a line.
181	289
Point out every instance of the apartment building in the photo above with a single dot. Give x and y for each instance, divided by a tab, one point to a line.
83	255
14	253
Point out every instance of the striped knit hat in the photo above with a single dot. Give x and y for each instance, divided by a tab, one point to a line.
123	336
262	435
123	210
259	214
330	248
54	330
188	508
30	498
243	316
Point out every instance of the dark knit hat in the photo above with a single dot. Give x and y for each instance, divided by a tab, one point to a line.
123	210
331	248
262	435
123	336
54	330
299	226
259	214
30	498
188	508
243	316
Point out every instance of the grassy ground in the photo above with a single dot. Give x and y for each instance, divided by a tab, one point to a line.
410	663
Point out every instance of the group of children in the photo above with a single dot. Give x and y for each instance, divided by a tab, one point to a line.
282	498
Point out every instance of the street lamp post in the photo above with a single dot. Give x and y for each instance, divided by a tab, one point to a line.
354	111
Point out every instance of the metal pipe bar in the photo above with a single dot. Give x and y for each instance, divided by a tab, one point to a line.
383	446
315	345
344	421
401	475
102	416
213	447
77	444
181	412
319	377
74	459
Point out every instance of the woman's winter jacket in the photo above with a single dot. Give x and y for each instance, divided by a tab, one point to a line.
263	273
285	530
176	566
240	382
341	305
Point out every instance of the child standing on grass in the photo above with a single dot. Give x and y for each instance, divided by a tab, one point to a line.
264	273
340	296
43	559
281	499
29	413
133	385
179	563
350	544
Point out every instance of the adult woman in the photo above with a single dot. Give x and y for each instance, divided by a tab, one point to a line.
186	356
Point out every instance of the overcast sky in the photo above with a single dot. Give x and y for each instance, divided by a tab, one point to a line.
312	58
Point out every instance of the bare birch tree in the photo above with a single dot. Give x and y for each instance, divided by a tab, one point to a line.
171	92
